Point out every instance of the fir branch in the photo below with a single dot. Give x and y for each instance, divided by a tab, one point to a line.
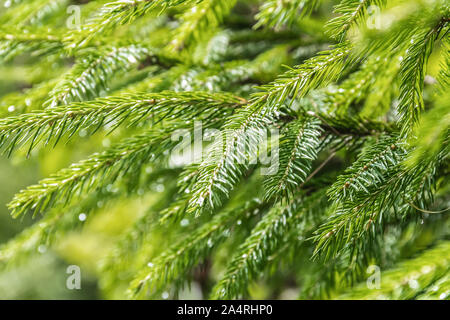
54	123
443	78
40	42
32	13
362	211
16	103
432	131
198	20
298	149
275	13
368	169
57	223
385	168
315	72
180	257
96	171
220	172
222	77
412	73
89	77
407	280
266	238
118	13
439	289
351	12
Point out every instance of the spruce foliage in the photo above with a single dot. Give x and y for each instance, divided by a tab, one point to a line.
347	101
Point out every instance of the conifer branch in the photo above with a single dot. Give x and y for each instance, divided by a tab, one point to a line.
32	12
199	19
432	132
275	14
265	239
351	12
219	173
368	169
299	148
118	13
349	147
92	173
16	103
439	289
54	123
412	76
40	42
176	261
406	281
57	223
361	210
89	77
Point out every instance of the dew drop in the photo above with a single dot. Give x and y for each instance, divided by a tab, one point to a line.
83	133
184	222
426	269
42	249
106	143
200	201
132	59
413	284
